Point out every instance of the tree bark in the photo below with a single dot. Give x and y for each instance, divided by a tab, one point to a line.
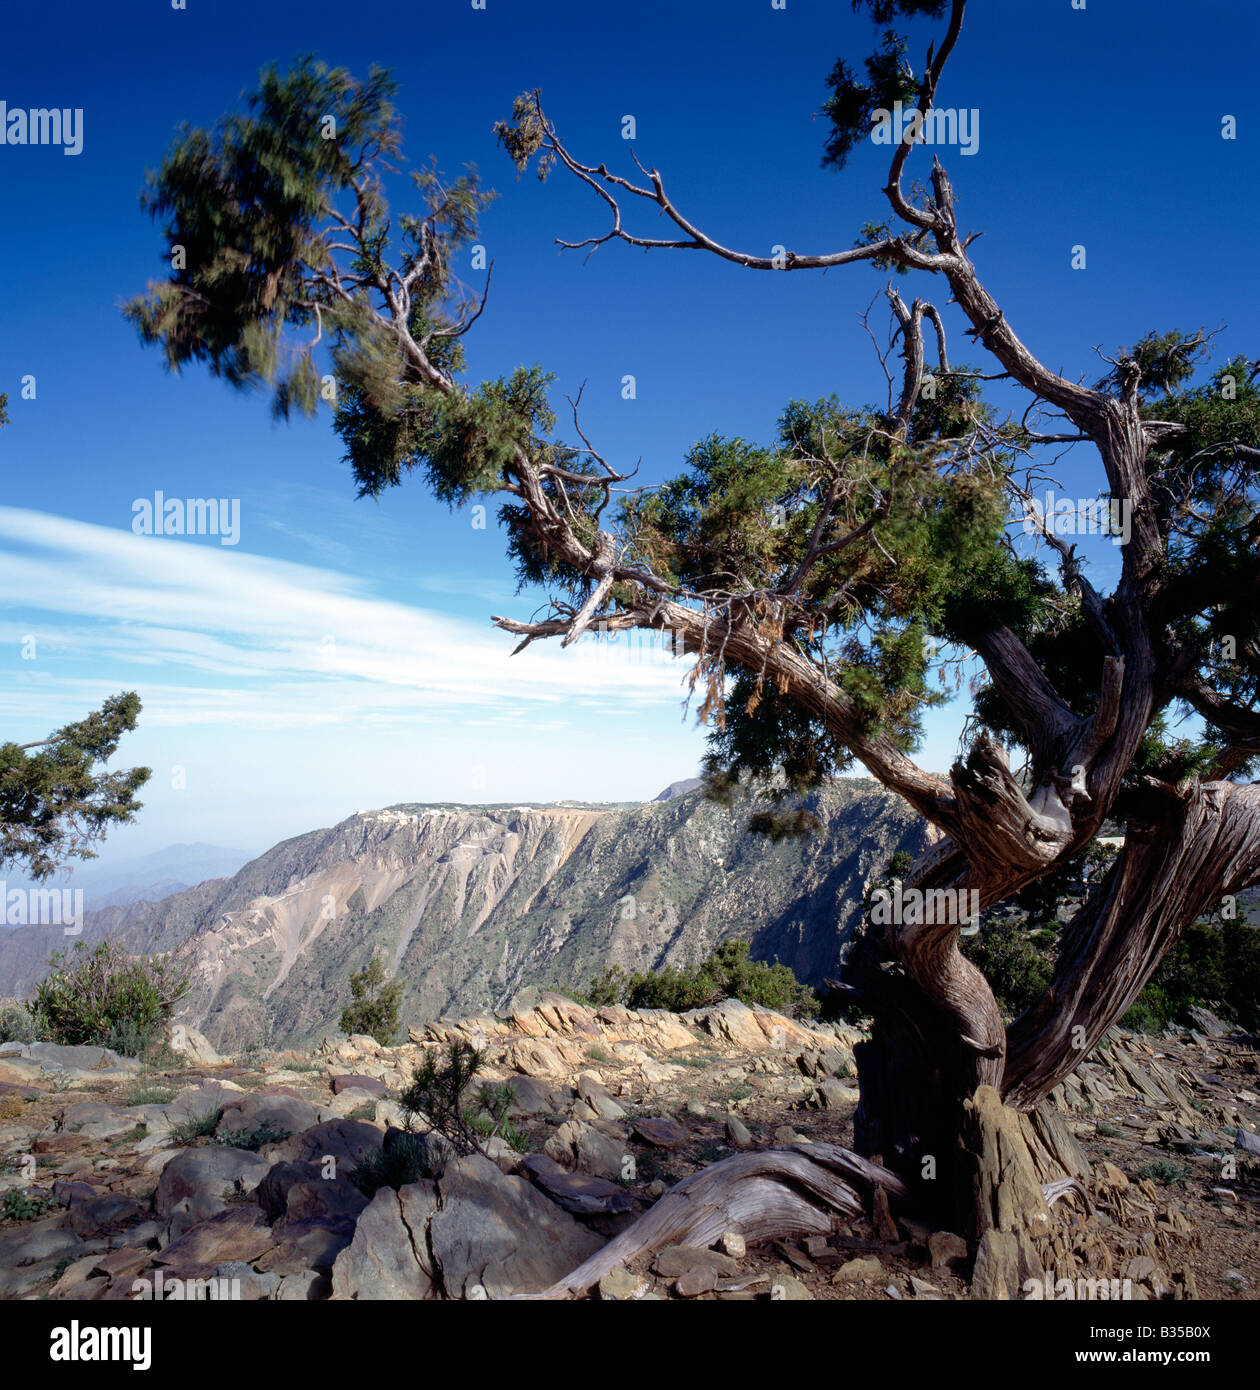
1201	844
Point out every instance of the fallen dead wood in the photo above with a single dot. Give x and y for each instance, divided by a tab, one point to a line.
774	1194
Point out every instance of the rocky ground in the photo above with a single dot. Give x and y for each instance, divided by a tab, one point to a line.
229	1178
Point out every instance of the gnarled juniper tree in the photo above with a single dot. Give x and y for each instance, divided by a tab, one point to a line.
803	575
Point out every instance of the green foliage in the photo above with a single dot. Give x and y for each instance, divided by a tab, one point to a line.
375	1007
436	1097
196	1127
1016	969
246	204
52	805
252	1139
726	974
398	1166
1216	965
26	1206
1164	1171
101	995
16	1023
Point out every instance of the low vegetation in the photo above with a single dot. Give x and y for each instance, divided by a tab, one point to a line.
727	974
436	1098
100	995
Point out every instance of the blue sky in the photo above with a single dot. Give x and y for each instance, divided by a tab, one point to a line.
341	656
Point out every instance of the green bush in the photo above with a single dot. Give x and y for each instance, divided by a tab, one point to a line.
436	1097
398	1166
26	1206
16	1023
252	1139
727	974
101	995
196	1127
374	1009
1013	960
1215	964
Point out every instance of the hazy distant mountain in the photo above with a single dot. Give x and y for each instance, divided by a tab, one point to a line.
688	784
150	876
476	905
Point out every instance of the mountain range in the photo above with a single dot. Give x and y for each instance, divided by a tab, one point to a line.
474	907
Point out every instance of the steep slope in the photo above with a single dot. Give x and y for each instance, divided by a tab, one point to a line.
476	906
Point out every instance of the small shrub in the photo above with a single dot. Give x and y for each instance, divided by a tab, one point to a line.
253	1139
366	1111
148	1093
17	1023
374	1009
398	1166
727	974
101	995
436	1094
196	1127
1165	1171
26	1206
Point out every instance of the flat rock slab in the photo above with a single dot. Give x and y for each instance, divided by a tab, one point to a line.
240	1233
576	1192
95	1120
349	1081
660	1133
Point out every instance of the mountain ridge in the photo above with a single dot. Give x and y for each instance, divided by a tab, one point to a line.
479	907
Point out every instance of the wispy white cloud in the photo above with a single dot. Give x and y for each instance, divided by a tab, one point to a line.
213	635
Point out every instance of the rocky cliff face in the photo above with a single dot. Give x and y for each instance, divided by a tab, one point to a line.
478	906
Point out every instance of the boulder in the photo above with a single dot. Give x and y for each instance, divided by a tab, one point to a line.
79	1061
575	1144
346	1141
738	1135
497	1235
597	1100
184	1039
97	1121
104	1215
307	1245
281	1113
216	1171
239	1233
1248	1142
732	1021
382	1261
246	1283
533	1097
660	1133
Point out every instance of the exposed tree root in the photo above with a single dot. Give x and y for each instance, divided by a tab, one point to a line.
774	1194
